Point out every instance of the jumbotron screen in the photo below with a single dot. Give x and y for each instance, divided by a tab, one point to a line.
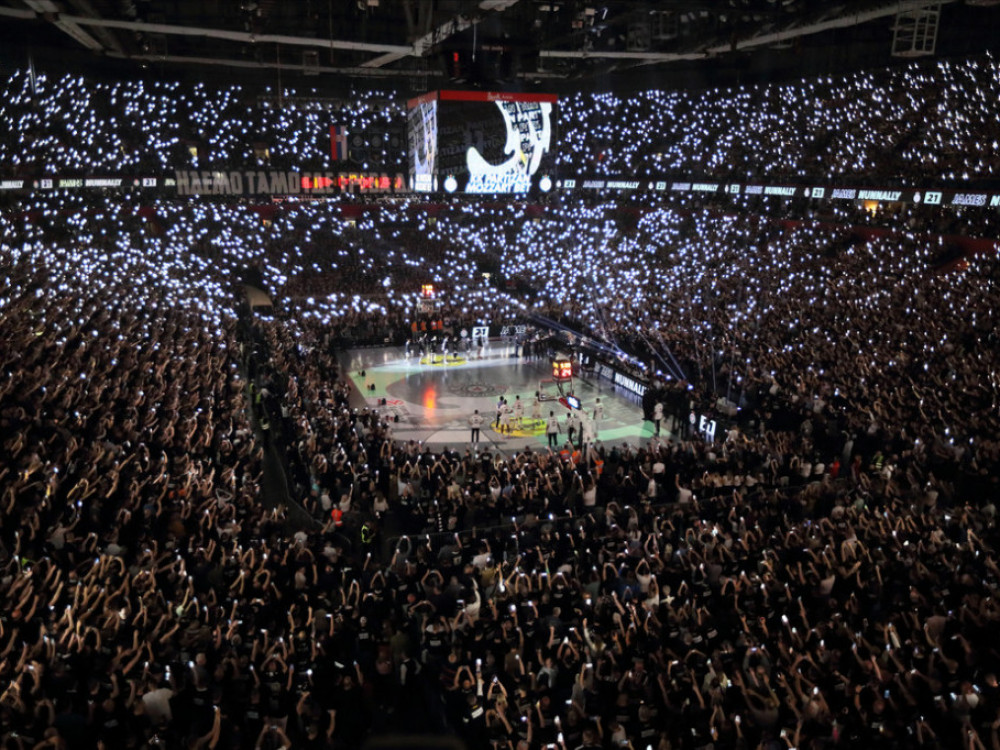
480	141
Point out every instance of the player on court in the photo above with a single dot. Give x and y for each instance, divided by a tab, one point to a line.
505	411
597	415
536	408
518	412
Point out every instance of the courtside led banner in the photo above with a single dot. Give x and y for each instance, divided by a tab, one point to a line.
193	182
826	192
187	182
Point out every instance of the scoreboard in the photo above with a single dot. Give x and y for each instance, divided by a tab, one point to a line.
562	369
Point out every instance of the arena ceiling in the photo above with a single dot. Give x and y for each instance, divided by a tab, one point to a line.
420	44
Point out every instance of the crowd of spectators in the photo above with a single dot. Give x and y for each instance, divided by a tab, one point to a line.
69	124
909	125
798	584
924	123
860	483
824	573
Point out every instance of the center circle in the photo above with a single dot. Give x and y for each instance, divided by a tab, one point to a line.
474	390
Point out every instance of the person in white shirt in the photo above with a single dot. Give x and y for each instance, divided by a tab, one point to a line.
572	425
518	412
596	416
658	416
505	418
536	407
659	468
483	558
552	430
476	423
157	704
589	491
598	413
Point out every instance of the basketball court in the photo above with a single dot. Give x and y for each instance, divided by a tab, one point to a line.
433	398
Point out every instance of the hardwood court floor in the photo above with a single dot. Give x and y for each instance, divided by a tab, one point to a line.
435	400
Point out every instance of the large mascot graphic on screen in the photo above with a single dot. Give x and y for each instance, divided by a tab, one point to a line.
529	138
423	136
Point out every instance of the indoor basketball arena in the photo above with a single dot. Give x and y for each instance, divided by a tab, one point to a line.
499	374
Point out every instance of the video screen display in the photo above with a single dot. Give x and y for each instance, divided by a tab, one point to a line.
486	142
422	142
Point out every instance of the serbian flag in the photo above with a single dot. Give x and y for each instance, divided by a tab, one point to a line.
338	142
